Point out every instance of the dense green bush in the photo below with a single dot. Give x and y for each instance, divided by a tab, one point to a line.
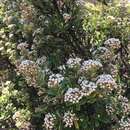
64	65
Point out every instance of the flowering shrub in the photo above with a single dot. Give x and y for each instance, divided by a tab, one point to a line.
65	71
84	91
74	96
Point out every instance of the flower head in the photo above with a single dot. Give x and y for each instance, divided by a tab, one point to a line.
22	118
103	54
106	81
124	104
90	66
69	119
73	62
30	71
73	95
112	43
124	124
49	121
87	87
55	80
22	46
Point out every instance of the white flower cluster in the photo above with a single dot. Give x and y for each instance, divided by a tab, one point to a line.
87	87
21	121
22	46
113	69
112	43
90	65
73	95
69	119
30	71
73	62
106	81
124	104
124	124
103	54
49	121
55	80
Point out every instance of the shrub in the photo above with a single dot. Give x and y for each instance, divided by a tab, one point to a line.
66	70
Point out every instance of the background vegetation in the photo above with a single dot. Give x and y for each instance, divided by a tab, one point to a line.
65	65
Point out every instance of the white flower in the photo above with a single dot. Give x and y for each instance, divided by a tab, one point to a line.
30	71
55	80
69	119
73	95
112	43
103	54
90	65
124	124
87	87
23	125
106	81
11	35
22	118
27	62
124	104
49	121
22	46
73	62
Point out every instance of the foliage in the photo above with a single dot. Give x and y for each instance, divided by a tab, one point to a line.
64	65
